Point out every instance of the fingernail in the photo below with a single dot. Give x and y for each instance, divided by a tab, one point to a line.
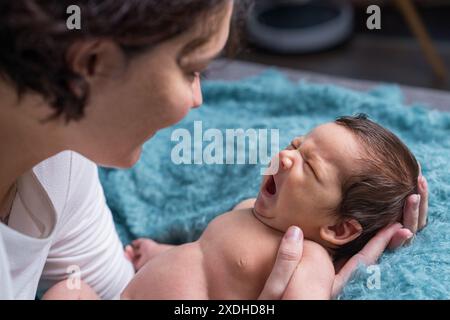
410	238
293	234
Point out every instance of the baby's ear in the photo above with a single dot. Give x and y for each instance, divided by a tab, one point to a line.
342	232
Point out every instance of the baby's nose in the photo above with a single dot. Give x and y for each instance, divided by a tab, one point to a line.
286	160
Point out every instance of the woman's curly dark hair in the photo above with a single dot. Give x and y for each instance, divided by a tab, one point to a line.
34	40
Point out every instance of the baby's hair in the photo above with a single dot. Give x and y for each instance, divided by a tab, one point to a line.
375	196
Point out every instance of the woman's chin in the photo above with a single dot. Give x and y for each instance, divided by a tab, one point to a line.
134	157
125	161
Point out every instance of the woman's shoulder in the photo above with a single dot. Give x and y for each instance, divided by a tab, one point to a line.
64	173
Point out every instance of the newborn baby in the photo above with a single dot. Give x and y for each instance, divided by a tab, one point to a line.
340	184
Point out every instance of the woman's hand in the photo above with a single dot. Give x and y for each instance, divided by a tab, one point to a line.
415	216
288	257
367	256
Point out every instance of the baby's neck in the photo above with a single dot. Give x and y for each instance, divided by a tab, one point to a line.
282	232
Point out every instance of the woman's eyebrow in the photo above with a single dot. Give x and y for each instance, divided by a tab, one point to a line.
204	57
196	51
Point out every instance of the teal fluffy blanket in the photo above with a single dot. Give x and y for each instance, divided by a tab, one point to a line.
174	203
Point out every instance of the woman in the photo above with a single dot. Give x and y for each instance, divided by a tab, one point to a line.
101	92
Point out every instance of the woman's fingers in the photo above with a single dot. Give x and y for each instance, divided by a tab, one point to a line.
411	213
423	207
400	238
289	255
368	255
376	246
415	213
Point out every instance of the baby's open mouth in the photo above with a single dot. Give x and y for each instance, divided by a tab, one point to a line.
270	186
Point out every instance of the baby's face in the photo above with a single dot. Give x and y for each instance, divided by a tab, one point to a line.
307	187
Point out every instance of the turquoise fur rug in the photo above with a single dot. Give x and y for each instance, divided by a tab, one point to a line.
174	203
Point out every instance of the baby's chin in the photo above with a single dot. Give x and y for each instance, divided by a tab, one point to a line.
257	210
262	207
268	217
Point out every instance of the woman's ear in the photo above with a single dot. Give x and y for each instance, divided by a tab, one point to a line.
341	232
94	59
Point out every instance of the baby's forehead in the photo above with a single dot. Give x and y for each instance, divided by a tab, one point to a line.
336	145
333	133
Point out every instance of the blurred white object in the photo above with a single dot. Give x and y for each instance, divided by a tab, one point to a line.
299	26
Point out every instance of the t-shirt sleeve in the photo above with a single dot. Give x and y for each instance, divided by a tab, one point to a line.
86	243
6	292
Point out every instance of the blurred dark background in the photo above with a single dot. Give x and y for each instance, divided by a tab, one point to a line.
392	54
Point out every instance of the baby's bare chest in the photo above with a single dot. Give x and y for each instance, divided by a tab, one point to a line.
241	252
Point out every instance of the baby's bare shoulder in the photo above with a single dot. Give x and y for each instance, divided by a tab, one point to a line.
311	247
314	276
316	253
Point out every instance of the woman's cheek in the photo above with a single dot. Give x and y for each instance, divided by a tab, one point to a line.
179	107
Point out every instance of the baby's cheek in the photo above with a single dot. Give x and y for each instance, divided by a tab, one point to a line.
332	198
321	199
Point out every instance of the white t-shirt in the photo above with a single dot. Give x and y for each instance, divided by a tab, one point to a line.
61	227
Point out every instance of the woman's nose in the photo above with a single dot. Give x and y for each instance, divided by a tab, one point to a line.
286	159
197	97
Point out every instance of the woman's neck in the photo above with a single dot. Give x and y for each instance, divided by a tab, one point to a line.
24	141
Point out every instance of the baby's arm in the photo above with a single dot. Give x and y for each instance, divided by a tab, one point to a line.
314	276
